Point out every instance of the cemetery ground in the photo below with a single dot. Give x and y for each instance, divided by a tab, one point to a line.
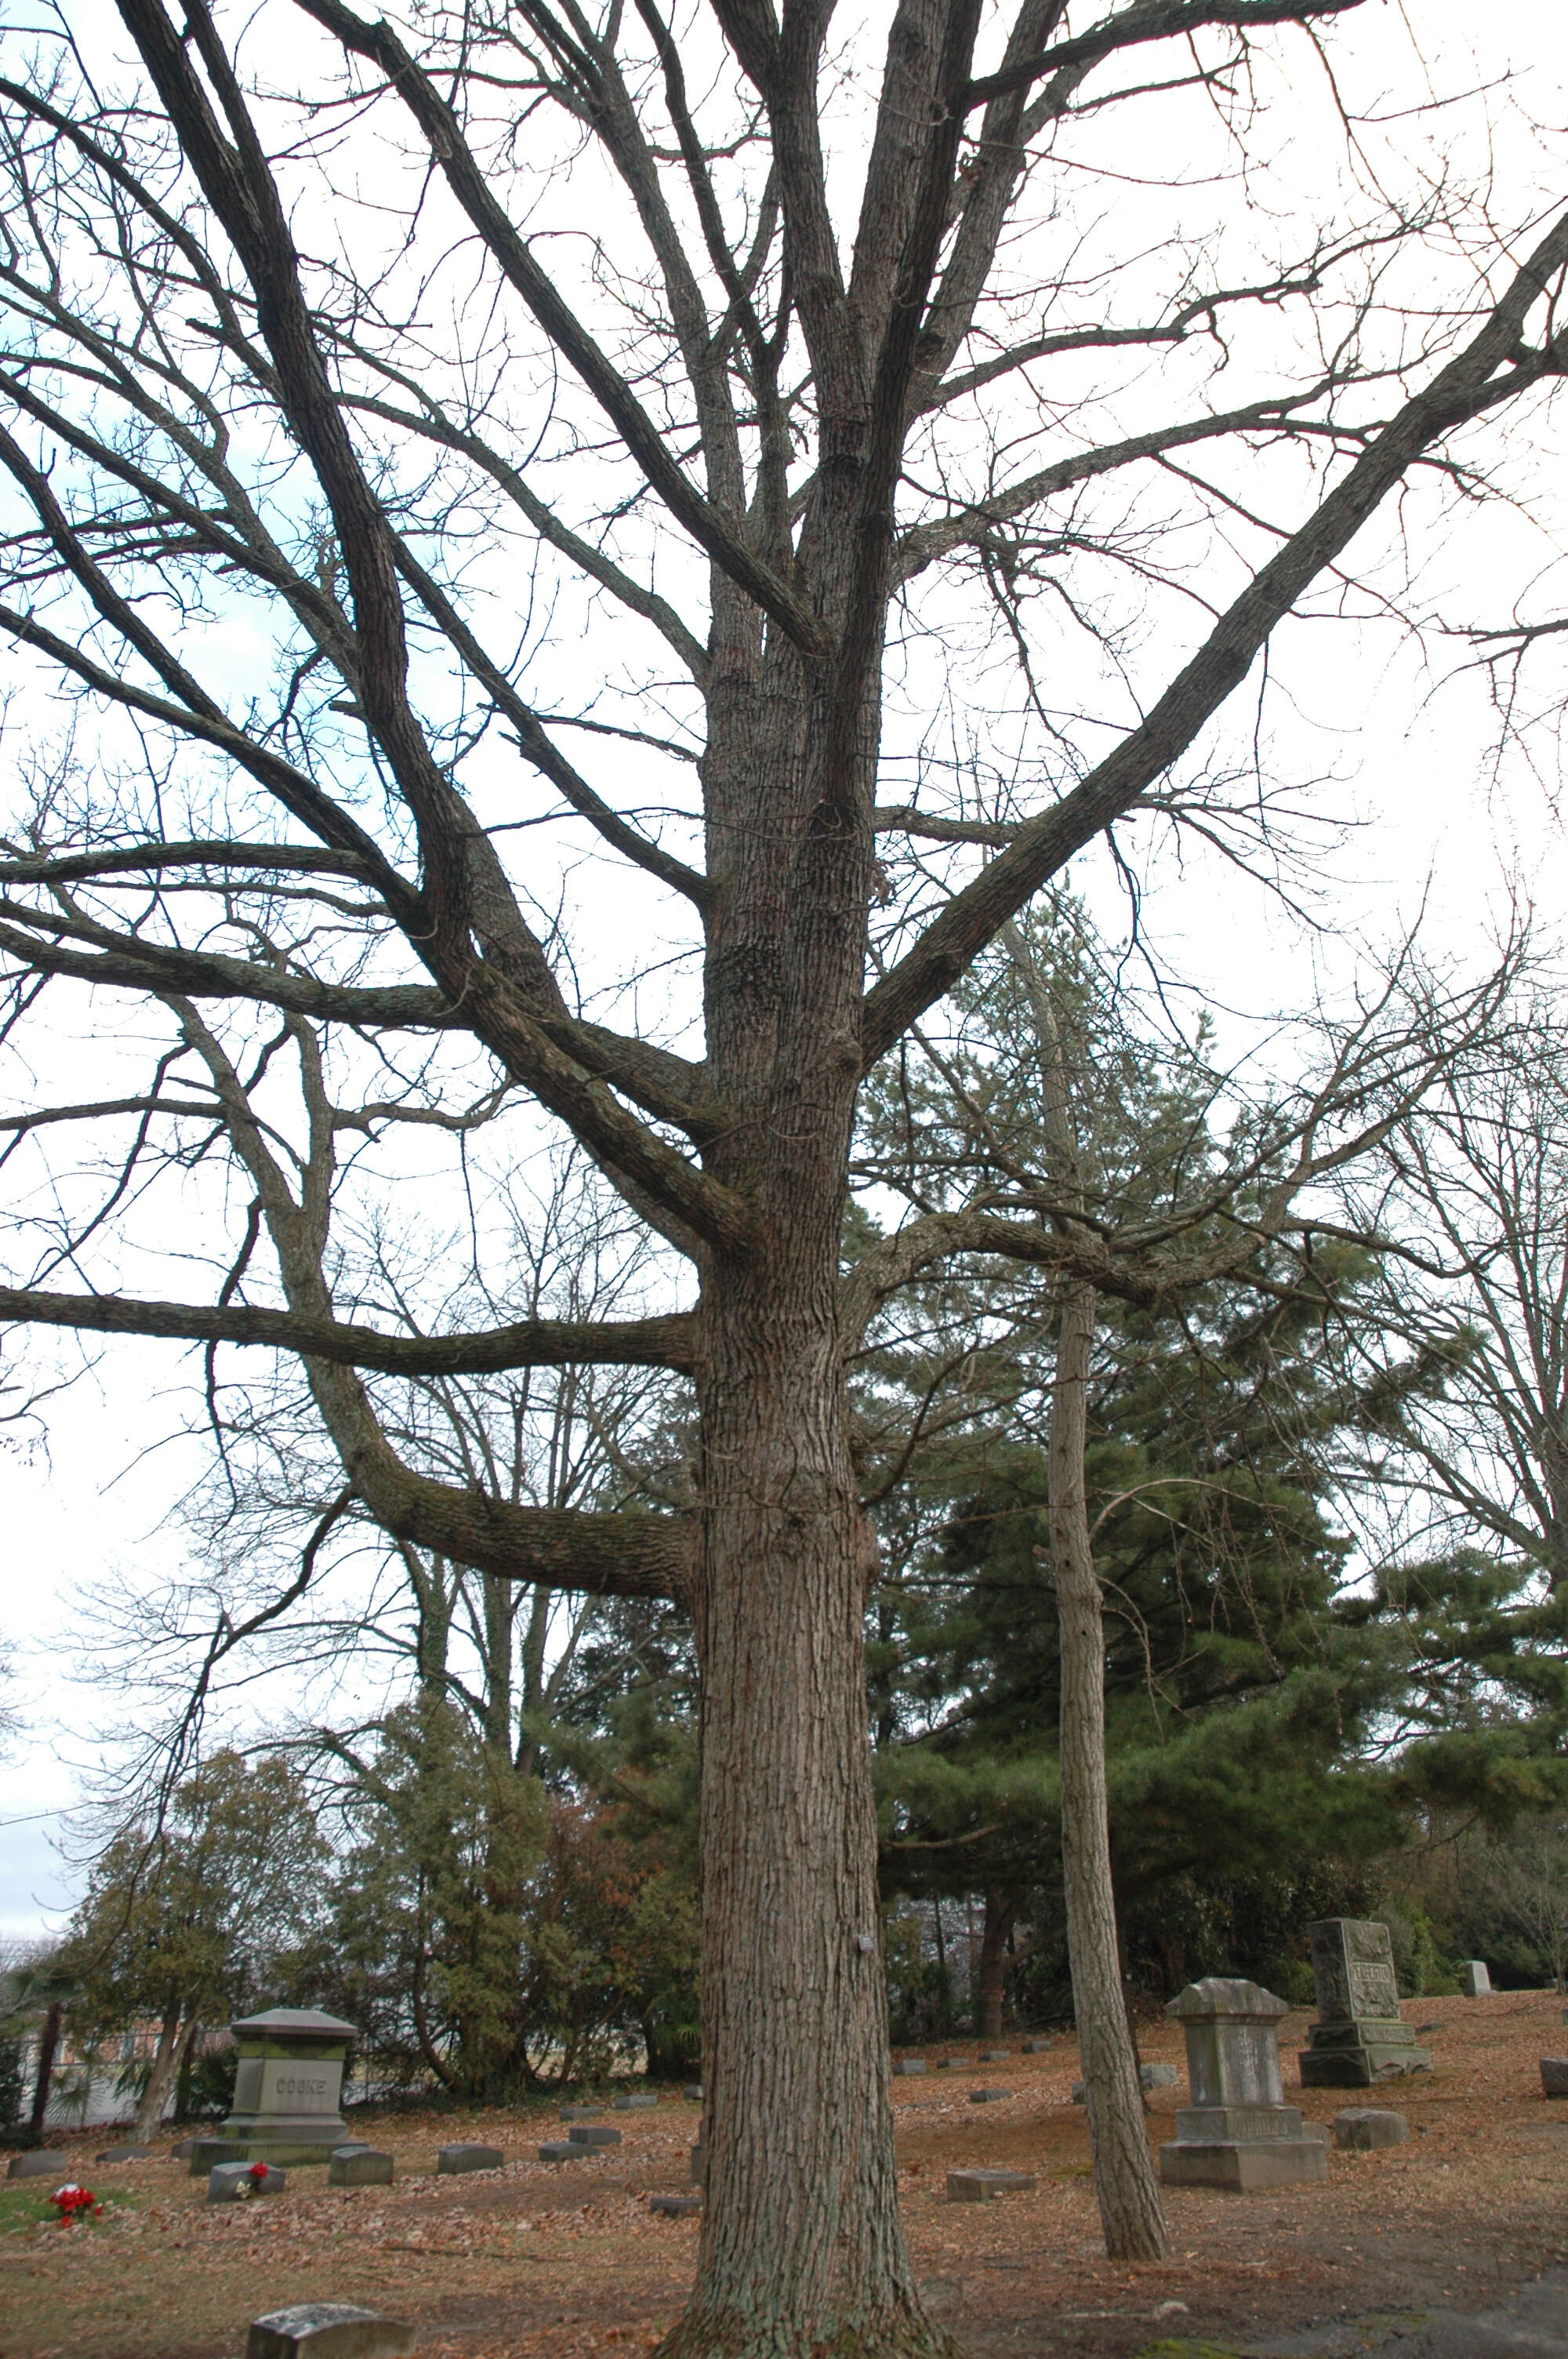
539	2259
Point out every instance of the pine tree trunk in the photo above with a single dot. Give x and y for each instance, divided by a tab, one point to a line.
1125	2183
999	1914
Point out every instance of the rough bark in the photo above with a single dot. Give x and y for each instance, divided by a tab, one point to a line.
1000	1913
1125	2184
173	2046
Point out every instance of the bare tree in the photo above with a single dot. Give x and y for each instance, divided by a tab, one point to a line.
307	496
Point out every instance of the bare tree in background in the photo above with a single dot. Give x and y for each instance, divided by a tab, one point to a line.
308	498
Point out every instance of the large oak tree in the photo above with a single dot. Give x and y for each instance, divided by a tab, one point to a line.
355	370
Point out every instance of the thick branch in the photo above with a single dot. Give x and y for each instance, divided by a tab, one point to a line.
666	1343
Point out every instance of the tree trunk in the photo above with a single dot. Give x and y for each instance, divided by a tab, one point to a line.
1125	2183
172	2042
49	2040
999	1922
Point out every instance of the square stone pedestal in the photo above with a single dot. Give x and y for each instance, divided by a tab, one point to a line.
1237	2133
286	2091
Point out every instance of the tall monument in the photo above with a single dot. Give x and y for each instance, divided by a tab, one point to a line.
1359	2037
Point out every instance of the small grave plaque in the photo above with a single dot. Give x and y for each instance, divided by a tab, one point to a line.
980	2186
328	2329
1359	2037
451	2159
1359	2128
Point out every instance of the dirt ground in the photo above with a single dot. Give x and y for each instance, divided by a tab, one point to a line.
539	2259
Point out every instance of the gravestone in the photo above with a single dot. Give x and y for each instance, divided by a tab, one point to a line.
243	2182
42	2163
1554	2076
287	2087
451	2161
1359	2128
1237	2133
328	2329
1475	1981
124	2154
593	2133
980	2186
1358	2038
359	2166
674	2207
633	2104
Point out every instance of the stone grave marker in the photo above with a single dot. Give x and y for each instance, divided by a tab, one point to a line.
1238	2132
328	2329
359	2166
42	2163
593	2134
988	2096
287	2087
243	2182
1554	2076
124	2154
452	2159
674	2207
980	2186
1475	1981
1359	2128
1358	2038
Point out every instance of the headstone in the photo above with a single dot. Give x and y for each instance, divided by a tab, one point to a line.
42	2163
243	2182
582	2114
1475	1981
562	2150
1359	2038
1157	2076
1036	2047
994	2055
593	2133
1554	2076
328	2329
124	2154
988	2096
1359	2128
359	2166
633	2104
674	2207
903	2066
693	2089
451	2159
287	2087
980	2186
1238	2132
